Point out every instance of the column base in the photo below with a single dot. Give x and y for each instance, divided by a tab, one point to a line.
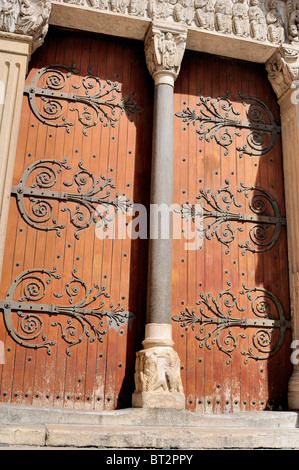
174	400
158	381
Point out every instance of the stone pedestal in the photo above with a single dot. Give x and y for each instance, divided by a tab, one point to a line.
157	372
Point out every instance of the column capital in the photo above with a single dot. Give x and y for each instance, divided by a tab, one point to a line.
164	47
26	17
283	69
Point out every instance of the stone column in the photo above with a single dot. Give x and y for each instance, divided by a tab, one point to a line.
23	25
283	73
157	377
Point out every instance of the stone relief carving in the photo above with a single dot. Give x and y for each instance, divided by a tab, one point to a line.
204	14
263	20
258	25
293	21
119	6
164	50
183	11
157	370
138	7
223	16
240	20
283	69
160	8
275	23
25	17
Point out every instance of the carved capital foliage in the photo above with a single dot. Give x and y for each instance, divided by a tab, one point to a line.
283	69
26	17
164	48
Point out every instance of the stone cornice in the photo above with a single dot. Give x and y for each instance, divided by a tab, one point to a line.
266	21
25	17
283	69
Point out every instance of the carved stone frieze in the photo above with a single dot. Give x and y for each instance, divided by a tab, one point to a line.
164	49
26	17
283	69
293	21
270	21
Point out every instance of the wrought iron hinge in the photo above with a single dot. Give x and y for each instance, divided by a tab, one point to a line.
216	320
35	200
213	216
217	116
98	107
83	319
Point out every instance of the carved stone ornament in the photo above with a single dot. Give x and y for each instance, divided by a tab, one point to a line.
26	17
164	48
158	370
283	69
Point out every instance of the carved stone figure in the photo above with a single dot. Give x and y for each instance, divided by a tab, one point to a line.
293	21
75	2
240	19
102	4
138	7
223	16
184	11
258	25
275	23
119	6
204	14
33	19
9	10
280	73
160	8
164	50
158	370
26	17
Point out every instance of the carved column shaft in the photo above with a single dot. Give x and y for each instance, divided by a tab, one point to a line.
283	71
157	377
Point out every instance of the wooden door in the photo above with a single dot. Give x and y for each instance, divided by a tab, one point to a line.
231	314
72	293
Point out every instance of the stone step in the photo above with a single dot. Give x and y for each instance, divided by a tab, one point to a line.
146	437
22	414
135	428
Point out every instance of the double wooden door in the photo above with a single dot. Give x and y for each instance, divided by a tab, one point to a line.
73	289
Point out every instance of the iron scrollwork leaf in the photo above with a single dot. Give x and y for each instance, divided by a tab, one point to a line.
217	322
83	319
35	194
218	120
48	95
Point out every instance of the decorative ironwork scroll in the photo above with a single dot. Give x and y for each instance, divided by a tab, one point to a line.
35	200
217	118
50	84
83	320
263	217
269	323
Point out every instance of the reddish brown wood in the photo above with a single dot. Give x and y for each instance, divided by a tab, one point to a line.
96	375
210	383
